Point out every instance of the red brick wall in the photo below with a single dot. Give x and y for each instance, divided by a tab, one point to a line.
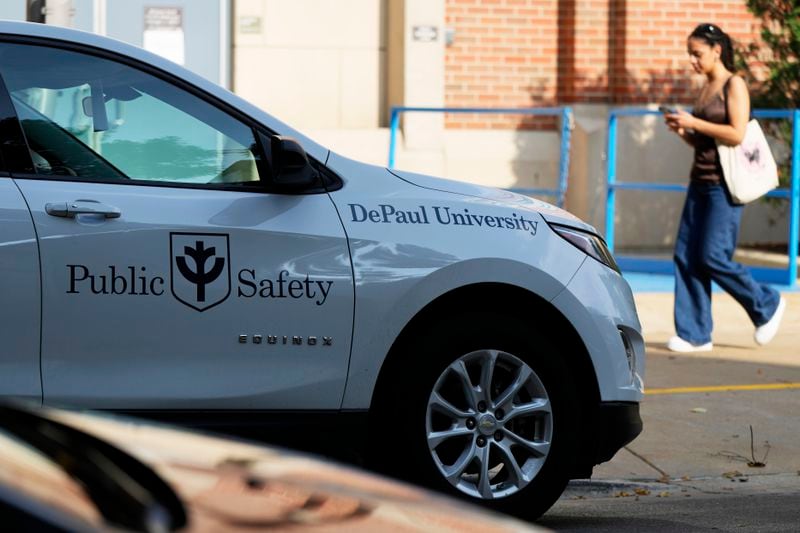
521	53
504	54
657	65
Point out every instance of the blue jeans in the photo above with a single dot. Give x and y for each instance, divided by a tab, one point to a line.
704	253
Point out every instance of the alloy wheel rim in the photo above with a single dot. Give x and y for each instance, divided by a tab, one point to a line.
489	424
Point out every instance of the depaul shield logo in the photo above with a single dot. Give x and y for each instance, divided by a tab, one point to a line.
200	269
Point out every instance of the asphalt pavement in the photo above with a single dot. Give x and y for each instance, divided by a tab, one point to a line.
724	423
699	408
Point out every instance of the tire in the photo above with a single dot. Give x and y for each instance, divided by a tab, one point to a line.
510	450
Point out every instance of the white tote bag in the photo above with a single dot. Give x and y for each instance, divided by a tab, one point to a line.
749	168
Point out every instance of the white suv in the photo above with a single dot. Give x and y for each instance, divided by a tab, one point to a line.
169	249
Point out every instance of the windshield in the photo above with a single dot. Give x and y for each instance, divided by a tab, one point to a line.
123	490
28	471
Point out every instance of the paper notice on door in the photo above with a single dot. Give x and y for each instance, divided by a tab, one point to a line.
163	33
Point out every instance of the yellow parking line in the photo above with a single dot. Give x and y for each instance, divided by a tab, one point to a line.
724	388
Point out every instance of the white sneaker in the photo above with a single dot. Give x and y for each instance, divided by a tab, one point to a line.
677	344
766	332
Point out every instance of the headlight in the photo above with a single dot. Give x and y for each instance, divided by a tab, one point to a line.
589	243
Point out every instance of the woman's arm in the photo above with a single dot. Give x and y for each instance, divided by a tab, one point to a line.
683	133
738	115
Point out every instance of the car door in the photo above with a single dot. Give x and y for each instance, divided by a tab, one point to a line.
19	278
171	277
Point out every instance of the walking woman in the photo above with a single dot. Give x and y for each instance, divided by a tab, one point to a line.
709	225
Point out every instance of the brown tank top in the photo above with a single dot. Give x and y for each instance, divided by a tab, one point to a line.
706	166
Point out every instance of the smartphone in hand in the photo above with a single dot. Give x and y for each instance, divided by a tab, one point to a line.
667	110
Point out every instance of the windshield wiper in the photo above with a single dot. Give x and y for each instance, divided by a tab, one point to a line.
126	492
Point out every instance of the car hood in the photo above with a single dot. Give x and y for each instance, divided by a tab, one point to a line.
548	211
231	485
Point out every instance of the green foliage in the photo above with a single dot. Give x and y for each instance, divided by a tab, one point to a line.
780	54
780	33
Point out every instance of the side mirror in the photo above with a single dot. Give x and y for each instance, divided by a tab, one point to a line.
291	170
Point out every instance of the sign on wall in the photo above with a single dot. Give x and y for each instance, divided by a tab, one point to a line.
425	34
163	33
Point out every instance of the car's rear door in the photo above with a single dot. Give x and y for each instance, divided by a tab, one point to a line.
170	278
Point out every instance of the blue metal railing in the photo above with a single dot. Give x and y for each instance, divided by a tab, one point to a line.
786	276
566	128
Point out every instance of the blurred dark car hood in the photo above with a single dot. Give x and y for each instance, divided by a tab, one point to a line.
229	485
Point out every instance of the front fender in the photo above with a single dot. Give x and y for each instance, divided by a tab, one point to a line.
599	303
378	327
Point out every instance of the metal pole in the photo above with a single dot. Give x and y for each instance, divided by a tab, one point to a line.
99	17
794	199
393	124
611	176
225	44
566	139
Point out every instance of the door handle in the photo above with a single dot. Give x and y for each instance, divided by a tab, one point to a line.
81	207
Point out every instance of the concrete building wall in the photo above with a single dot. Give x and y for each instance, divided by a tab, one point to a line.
11	10
317	64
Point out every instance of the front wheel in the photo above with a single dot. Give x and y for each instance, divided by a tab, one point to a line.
492	414
489	439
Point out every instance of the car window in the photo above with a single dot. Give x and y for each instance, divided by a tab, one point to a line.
97	119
